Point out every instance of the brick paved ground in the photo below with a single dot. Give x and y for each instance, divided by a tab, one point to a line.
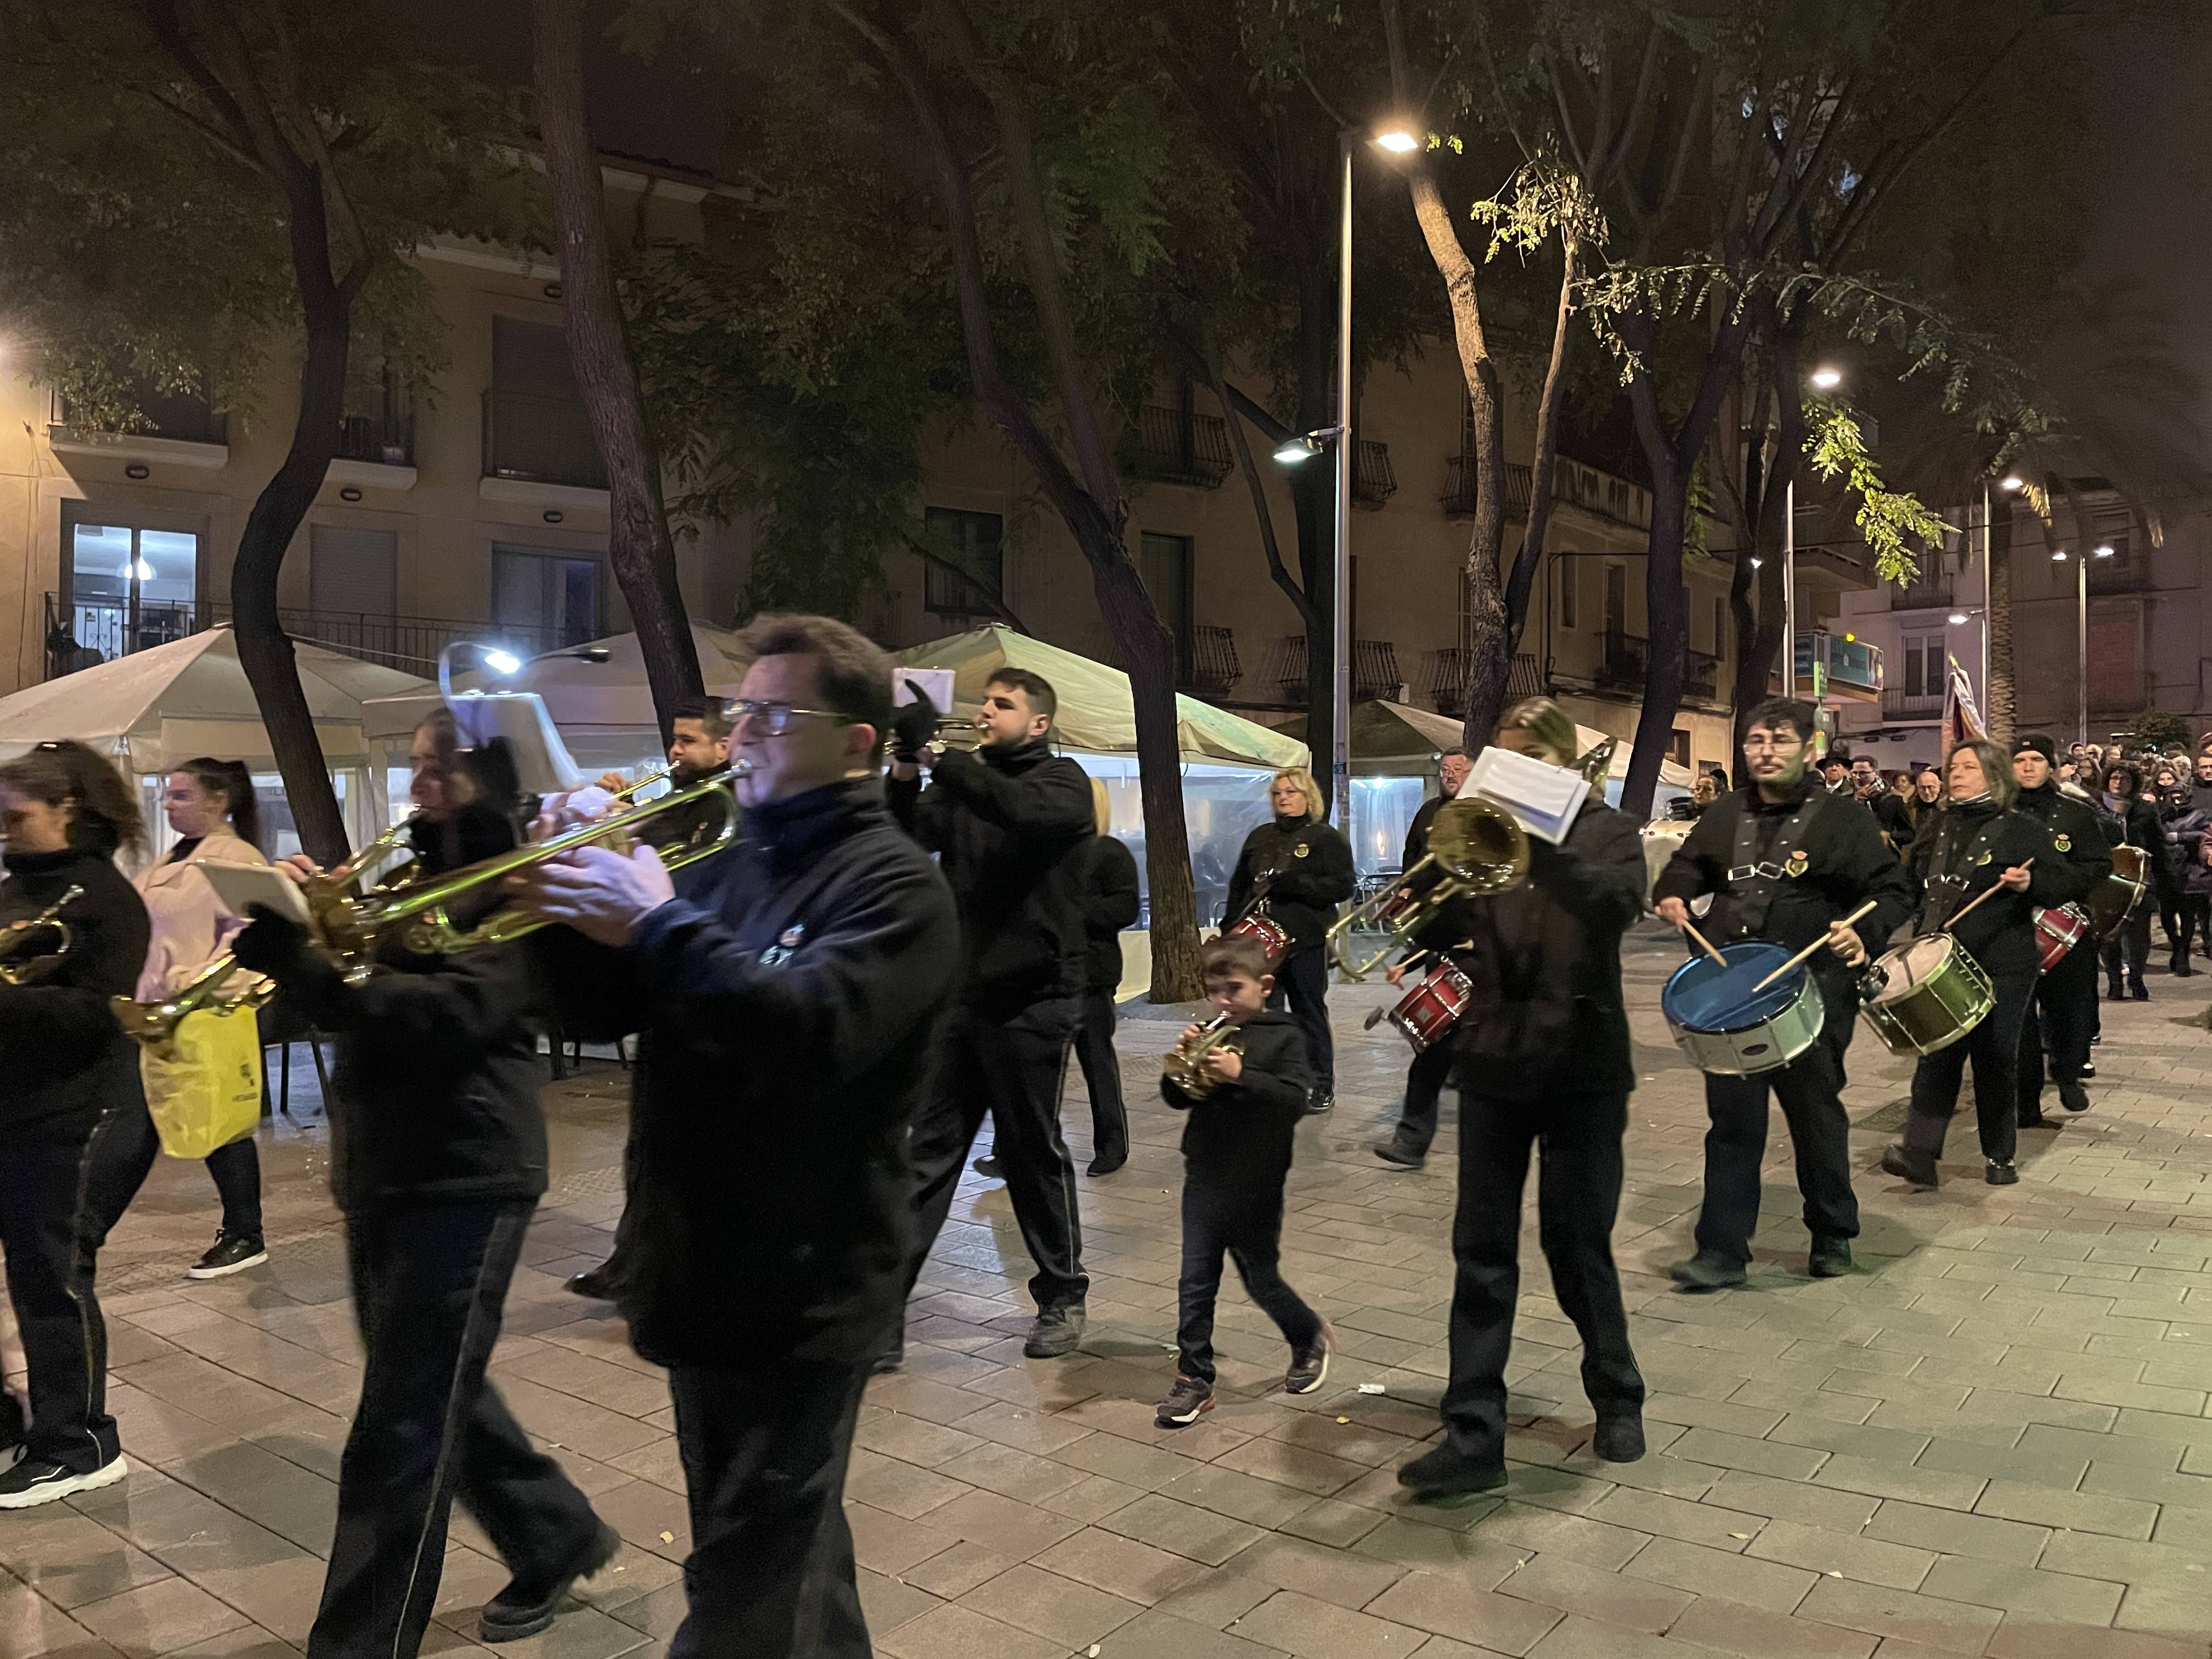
1992	1440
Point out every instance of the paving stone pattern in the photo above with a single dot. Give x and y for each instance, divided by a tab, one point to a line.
1992	1439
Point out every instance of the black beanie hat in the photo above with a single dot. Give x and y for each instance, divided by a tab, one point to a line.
2038	743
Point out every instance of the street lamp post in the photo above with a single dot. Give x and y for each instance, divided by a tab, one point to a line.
2081	631
1825	378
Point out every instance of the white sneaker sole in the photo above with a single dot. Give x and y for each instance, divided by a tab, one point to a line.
1319	1378
106	1475
224	1273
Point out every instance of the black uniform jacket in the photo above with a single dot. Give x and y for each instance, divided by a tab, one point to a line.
2077	829
1451	924
1846	865
789	1000
65	1059
1251	1122
1009	826
2137	825
1111	903
1545	1016
1311	864
1999	935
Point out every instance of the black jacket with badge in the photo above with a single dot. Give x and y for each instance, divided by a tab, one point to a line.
1450	924
2076	834
66	1059
1844	864
1111	902
1251	1123
1010	826
1973	845
1307	867
1544	965
789	1000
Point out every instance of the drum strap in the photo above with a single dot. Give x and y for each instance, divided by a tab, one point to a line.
1754	877
1947	888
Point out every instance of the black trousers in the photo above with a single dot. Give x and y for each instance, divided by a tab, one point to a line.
58	1201
764	1450
2197	921
2127	951
429	1284
1302	981
1013	1070
2061	1017
1236	1208
237	1171
1810	1089
1425	1086
1994	1047
1577	1200
1101	1074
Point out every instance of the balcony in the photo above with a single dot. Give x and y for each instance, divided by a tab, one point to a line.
1373	482
1374	670
1573	484
1930	590
1912	705
1625	665
1208	667
385	439
1174	445
530	439
2127	573
1447	678
183	431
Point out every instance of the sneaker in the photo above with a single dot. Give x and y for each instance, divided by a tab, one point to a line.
1830	1258
2072	1095
1707	1271
1619	1437
36	1480
526	1606
1309	1365
595	1284
2086	1071
231	1253
9	1456
987	1166
1188	1401
1918	1168
1056	1332
1319	1102
2001	1173
1444	1472
1399	1156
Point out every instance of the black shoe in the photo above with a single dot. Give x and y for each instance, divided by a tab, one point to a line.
1188	1401
596	1284
1319	1102
2072	1095
1056	1332
2035	1121
526	1606
1440	1472
1618	1439
1308	1366
2114	991
231	1253
1108	1161
2087	1072
1830	1258
1918	1168
2180	964
892	1360
35	1480
987	1166
2139	991
1400	1156
1706	1271
2001	1173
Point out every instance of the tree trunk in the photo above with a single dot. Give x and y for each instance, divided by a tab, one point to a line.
1549	405
2004	710
638	543
1668	626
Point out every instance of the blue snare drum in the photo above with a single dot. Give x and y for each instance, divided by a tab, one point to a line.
1727	1029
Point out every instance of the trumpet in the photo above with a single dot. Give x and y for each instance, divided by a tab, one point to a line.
155	1023
1481	849
966	735
1186	1067
645	782
19	963
354	868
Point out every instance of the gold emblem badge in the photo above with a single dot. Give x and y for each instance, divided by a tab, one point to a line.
1984	859
1797	861
2064	843
1299	851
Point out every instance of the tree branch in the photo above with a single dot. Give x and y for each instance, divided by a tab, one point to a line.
991	601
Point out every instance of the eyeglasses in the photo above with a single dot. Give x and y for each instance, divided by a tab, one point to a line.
1755	742
776	717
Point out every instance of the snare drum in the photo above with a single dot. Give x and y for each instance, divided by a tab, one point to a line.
1925	995
1427	1013
1727	1029
1274	937
2058	931
2112	900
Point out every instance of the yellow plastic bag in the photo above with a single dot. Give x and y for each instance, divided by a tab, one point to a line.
204	1091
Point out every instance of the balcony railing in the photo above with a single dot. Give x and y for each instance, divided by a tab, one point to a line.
1911	705
386	440
1176	446
182	419
83	633
1933	590
1374	669
1448	678
2128	573
1209	667
540	440
1373	482
1573	484
1624	663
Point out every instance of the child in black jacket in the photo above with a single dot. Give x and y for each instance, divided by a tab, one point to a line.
1237	1152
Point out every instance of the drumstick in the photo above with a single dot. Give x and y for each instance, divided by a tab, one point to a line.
1808	950
1704	944
1968	908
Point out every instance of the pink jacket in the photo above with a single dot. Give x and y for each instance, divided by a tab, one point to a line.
191	926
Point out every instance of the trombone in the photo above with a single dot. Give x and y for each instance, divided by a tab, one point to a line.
1482	849
155	1023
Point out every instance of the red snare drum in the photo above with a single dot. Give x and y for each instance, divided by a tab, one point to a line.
1274	937
1427	1013
2058	931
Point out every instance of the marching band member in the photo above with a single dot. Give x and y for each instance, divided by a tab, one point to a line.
1009	824
789	994
438	1160
1111	902
2062	1011
2130	820
1546	1063
1785	864
1408	1145
1980	842
1296	870
74	1139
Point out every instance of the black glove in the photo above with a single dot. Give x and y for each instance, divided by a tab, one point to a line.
270	943
913	725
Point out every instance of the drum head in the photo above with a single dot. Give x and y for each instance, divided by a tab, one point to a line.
1705	996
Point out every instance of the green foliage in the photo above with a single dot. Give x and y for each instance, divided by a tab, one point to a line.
2156	728
1888	519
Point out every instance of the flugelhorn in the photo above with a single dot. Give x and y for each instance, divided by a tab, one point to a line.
20	963
1481	849
1185	1066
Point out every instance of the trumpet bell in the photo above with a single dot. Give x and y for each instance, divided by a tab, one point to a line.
1479	848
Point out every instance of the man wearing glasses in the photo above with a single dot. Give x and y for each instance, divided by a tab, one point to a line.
787	992
1786	861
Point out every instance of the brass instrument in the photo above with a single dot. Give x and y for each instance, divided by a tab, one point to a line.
1482	848
968	735
19	963
645	782
155	1023
1186	1067
1596	764
356	867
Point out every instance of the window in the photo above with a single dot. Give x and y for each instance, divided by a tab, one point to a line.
1467	426
975	543
547	599
534	424
1570	580
1720	626
1924	668
1616	598
353	572
1164	562
128	586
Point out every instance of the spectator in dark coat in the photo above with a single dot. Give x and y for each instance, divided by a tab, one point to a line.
2132	821
1111	902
